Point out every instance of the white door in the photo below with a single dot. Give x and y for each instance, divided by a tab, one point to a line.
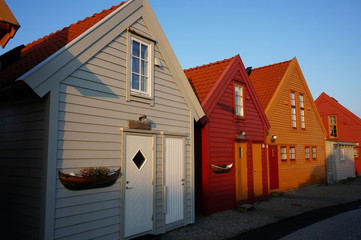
174	179
139	187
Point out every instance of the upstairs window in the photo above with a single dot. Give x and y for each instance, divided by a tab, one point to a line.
293	110
238	92
140	67
332	122
302	111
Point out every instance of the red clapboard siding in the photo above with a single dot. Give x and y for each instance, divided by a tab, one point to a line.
219	132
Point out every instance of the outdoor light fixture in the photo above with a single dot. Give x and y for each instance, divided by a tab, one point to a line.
241	135
274	137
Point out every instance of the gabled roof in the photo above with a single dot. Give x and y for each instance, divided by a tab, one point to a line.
8	24
210	81
336	104
45	63
36	52
270	81
203	78
266	80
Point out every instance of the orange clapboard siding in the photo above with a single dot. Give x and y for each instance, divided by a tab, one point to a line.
300	172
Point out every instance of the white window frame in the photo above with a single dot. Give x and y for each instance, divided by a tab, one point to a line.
136	94
283	152
293	109
239	105
342	154
302	111
292	150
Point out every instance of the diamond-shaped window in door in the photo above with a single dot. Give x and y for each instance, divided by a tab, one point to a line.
139	159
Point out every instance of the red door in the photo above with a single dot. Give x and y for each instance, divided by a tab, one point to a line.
273	167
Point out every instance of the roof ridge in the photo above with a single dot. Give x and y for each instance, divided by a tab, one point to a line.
271	65
209	64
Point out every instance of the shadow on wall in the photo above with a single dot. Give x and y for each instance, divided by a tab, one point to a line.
317	176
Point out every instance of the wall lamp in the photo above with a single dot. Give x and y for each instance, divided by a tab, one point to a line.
241	135
274	137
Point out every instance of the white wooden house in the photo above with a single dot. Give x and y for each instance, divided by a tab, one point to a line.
65	104
340	160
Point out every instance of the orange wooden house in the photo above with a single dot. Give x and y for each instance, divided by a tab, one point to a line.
342	124
296	139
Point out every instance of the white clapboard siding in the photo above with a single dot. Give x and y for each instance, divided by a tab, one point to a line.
345	168
21	159
92	109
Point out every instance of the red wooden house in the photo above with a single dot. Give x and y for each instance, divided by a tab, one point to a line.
234	133
341	124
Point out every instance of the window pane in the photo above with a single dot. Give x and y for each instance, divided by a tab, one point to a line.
135	65
314	153
144	68
144	52
135	50
302	113
292	153
135	81
283	153
143	84
293	100
307	153
301	101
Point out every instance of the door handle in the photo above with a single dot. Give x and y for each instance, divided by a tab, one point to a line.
128	187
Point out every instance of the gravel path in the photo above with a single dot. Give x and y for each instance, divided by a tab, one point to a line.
230	223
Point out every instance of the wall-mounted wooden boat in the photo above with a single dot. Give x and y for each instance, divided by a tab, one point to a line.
221	168
81	183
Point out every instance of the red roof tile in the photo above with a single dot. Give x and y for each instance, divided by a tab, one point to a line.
203	78
36	52
266	79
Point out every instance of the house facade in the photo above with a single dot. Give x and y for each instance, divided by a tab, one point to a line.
296	139
340	160
232	134
341	124
66	104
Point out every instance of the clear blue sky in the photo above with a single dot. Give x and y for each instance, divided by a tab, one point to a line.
324	35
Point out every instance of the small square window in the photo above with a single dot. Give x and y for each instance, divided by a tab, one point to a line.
342	154
307	153
292	153
283	153
314	153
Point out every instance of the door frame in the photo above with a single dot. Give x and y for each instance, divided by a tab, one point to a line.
176	224
135	132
